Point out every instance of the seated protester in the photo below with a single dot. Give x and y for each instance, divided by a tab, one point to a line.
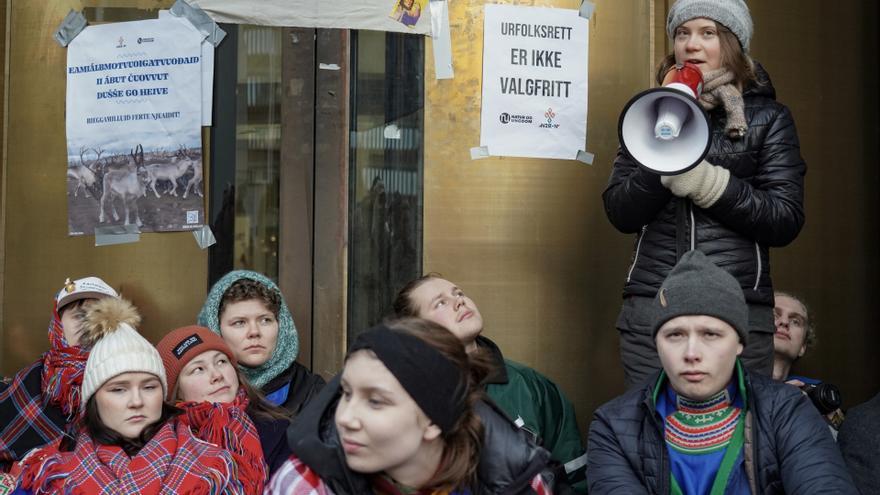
795	334
703	424
41	402
859	442
220	406
406	416
531	400
131	441
249	312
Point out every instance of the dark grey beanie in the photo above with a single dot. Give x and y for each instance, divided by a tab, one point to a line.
734	14
694	287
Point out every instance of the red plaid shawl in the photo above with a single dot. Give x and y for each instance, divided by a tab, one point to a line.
228	426
43	399
173	462
63	368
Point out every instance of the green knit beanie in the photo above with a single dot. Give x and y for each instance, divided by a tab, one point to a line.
287	345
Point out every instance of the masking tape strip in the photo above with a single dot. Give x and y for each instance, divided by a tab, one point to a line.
324	66
200	20
479	152
575	464
587	9
204	237
74	22
442	39
116	234
585	156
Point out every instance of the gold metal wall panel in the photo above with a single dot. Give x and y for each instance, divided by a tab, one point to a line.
822	60
528	238
164	274
529	241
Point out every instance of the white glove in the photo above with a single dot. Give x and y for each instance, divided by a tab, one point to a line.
703	184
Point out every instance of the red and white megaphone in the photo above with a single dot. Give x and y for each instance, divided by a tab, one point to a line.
665	130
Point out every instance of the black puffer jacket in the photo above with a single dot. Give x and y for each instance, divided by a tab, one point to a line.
788	447
761	207
508	461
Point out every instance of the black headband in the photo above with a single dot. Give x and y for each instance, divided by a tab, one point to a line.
434	382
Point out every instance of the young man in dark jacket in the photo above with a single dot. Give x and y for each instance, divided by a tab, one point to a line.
703	424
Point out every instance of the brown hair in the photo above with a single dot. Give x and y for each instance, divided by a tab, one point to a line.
732	57
462	442
103	435
258	405
245	289
72	305
403	305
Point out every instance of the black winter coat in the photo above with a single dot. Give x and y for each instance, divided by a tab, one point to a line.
508	461
273	440
303	386
788	447
761	207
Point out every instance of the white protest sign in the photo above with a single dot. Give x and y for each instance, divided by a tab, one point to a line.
534	82
207	74
134	109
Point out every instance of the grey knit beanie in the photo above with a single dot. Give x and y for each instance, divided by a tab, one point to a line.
696	286
734	14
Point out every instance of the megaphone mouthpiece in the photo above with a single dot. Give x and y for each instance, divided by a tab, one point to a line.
671	116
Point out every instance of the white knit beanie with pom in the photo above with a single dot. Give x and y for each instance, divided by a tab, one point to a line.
116	347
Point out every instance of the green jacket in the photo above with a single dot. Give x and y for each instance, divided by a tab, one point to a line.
537	404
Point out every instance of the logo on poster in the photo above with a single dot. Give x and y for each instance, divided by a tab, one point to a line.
549	115
121	43
506	118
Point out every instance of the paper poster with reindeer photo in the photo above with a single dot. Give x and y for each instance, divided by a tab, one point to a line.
134	150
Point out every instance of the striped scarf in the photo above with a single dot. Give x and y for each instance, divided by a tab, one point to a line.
228	426
699	427
719	89
63	368
173	462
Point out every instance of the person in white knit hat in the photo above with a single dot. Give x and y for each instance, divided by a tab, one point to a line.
130	441
745	197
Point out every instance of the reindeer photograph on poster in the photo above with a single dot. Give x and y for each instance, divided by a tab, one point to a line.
134	127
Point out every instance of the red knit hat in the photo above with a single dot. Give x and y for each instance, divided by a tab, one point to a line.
183	345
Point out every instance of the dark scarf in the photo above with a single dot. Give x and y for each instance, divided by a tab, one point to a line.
719	88
230	428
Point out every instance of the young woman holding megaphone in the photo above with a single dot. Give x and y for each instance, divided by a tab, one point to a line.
739	197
